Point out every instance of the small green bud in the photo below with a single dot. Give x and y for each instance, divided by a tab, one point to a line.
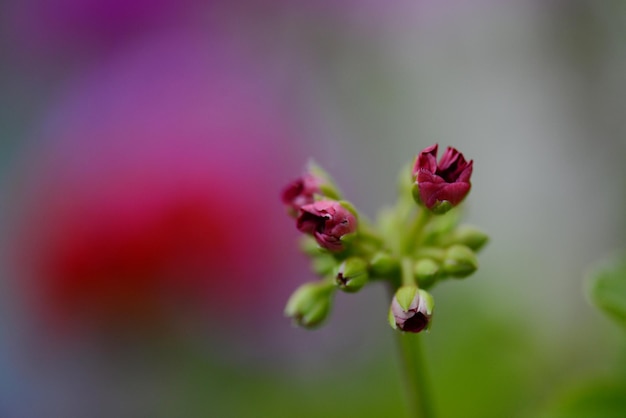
352	274
324	264
426	271
469	236
310	304
349	238
460	261
382	264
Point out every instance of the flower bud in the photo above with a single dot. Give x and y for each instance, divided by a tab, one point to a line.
411	309
460	261
426	271
352	274
310	304
441	186
383	264
469	236
328	221
300	192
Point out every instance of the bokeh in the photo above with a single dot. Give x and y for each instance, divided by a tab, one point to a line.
145	255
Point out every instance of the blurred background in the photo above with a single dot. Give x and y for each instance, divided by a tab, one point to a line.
145	256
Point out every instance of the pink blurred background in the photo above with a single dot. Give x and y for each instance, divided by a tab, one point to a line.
146	257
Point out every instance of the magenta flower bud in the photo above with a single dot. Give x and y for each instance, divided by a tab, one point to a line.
411	309
327	221
301	192
444	185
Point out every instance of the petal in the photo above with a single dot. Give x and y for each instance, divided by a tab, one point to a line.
327	241
427	159
431	193
454	192
310	220
425	176
449	159
465	175
292	191
415	323
324	207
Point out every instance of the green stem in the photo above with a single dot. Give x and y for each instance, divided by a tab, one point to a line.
369	234
414	233
416	382
406	271
413	365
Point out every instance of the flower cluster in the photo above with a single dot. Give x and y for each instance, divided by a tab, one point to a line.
412	247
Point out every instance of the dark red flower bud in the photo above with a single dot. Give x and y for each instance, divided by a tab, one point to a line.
300	192
447	181
327	221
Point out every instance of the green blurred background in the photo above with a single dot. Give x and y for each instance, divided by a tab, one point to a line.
92	92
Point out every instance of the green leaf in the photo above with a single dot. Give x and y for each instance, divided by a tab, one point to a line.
608	288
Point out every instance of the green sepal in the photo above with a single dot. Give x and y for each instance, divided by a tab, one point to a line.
415	193
350	207
441	207
329	191
392	319
405	295
328	187
349	238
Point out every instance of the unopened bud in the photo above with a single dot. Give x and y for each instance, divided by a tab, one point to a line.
411	309
426	271
469	236
352	274
310	304
301	192
327	221
441	185
460	261
382	264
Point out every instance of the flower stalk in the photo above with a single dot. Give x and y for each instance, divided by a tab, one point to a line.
413	246
414	371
